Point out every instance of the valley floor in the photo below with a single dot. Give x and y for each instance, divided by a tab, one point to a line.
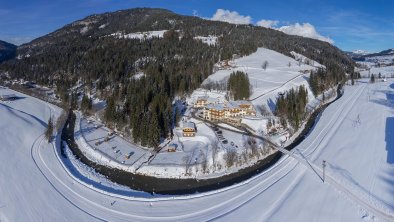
354	135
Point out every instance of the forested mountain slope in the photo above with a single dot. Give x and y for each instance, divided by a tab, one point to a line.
7	50
97	51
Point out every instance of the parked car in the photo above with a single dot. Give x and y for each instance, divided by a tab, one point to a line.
129	155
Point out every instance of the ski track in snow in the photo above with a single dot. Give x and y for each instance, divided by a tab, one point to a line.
86	197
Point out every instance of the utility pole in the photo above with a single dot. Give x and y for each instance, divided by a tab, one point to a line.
324	170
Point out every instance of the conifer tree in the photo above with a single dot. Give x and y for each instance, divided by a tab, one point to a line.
154	132
372	78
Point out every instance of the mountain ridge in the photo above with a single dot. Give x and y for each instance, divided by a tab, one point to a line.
173	64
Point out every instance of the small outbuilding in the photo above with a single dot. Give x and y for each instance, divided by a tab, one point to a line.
189	129
172	147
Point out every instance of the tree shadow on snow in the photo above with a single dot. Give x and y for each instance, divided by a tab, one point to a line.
44	124
271	105
390	139
388	177
389	101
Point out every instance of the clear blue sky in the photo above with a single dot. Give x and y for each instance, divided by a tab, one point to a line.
351	24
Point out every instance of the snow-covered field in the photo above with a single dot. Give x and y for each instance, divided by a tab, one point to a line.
376	65
386	71
280	70
354	135
209	40
140	35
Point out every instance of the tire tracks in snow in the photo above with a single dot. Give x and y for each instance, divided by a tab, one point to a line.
360	195
33	147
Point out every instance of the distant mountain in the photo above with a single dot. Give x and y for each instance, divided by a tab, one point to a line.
7	51
361	52
382	53
385	56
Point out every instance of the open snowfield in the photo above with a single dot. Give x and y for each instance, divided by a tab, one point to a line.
25	194
354	135
386	71
277	74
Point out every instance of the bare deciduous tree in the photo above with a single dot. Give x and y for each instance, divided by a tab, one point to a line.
264	111
49	130
231	157
264	65
61	120
215	149
204	163
187	161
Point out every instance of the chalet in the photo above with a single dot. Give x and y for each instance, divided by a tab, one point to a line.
172	147
8	97
230	111
189	129
201	101
245	108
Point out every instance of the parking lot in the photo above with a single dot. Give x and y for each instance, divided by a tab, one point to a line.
102	139
219	134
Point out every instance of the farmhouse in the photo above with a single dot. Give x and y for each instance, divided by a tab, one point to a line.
189	129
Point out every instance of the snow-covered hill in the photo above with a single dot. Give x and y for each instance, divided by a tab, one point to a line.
281	74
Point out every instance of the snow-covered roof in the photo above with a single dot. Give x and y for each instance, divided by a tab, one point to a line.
216	106
202	98
240	102
189	125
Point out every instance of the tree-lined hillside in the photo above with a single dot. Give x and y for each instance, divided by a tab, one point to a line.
175	64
